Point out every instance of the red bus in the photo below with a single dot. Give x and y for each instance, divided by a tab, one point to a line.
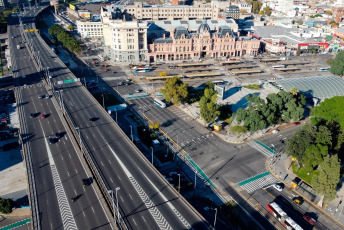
276	210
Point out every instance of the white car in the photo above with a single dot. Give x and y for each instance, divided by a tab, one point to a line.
277	187
275	131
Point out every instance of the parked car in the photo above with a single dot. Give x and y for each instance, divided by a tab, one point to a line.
87	181
40	96
32	115
51	140
47	96
58	135
275	131
43	116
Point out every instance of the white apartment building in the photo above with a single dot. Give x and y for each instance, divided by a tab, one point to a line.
90	29
125	41
199	10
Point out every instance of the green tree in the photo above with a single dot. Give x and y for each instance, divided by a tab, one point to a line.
256	5
209	110
326	182
314	155
267	10
294	91
300	141
324	136
330	109
175	90
70	27
6	206
337	66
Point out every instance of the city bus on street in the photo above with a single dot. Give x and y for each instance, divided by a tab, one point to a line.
290	224
276	210
159	103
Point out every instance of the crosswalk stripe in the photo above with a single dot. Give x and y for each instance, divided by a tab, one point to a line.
260	149
259	183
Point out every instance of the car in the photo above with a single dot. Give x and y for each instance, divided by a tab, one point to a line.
296	123
275	131
87	181
298	200
120	83
47	96
40	96
51	140
58	135
92	119
309	218
278	187
32	115
43	116
24	76
137	90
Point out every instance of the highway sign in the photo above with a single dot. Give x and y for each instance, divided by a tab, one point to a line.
68	81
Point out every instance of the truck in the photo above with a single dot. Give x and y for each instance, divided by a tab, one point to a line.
18	47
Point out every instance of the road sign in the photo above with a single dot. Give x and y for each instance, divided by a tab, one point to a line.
68	81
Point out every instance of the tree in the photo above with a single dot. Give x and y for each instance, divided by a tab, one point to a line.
330	109
300	141
6	206
267	10
163	74
209	110
70	27
314	155
256	5
294	91
175	90
337	66
326	182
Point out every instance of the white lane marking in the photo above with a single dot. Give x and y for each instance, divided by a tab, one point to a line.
102	163
134	221
70	155
93	210
110	162
181	218
143	219
121	199
68	173
130	196
119	177
154	211
111	179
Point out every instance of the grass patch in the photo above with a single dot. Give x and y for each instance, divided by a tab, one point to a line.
109	99
302	173
253	86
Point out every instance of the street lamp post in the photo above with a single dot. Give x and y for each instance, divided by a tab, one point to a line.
117	189
113	204
179	184
195	179
131	133
215	217
152	155
116	115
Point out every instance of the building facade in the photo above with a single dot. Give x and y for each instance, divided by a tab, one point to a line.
183	44
90	29
125	41
233	12
199	10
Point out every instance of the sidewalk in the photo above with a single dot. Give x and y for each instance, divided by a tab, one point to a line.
280	167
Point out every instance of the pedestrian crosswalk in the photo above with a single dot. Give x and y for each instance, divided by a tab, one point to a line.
259	183
260	148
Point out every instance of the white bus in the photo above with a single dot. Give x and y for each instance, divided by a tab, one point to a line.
290	224
159	103
276	210
278	67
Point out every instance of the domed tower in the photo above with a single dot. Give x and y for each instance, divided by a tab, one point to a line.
203	27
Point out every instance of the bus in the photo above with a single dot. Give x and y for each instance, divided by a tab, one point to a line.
278	67
325	69
276	210
290	224
159	103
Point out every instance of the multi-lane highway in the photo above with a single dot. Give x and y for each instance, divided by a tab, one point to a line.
145	198
56	168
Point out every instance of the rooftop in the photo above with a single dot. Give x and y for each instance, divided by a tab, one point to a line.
319	86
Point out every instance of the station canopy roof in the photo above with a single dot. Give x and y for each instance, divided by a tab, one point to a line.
320	86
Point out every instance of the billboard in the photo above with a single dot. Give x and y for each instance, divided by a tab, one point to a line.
72	7
85	14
